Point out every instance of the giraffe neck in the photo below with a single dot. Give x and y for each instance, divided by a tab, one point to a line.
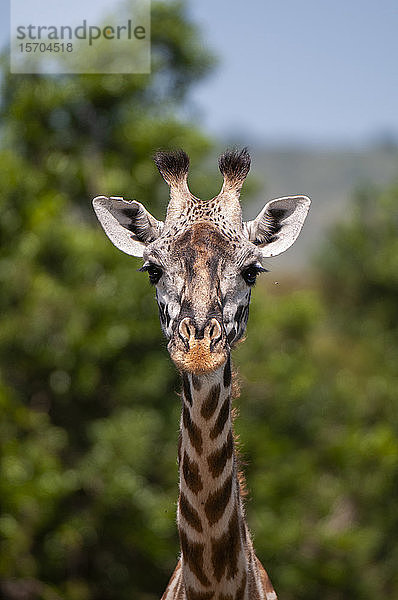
215	545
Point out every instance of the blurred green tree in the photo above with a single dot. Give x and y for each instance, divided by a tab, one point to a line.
362	255
319	415
89	423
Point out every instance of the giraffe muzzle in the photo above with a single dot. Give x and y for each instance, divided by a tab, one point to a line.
198	349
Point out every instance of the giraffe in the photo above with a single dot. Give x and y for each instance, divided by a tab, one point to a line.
203	261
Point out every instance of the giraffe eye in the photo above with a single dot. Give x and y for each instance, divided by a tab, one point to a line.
250	273
154	272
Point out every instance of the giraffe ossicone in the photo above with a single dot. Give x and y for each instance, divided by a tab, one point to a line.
204	260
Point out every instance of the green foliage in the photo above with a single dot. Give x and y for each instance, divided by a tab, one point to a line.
361	262
89	413
319	416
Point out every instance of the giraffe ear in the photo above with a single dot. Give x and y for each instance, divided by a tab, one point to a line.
278	225
128	224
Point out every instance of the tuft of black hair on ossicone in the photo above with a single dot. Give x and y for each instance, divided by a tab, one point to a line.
235	165
173	166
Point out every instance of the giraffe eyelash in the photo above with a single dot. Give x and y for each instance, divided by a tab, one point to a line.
250	273
155	272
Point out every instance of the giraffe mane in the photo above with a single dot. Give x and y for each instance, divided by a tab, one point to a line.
235	393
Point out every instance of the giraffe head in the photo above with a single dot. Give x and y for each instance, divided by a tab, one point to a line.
203	259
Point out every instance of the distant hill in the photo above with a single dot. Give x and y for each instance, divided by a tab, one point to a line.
328	177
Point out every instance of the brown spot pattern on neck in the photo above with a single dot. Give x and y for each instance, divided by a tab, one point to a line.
211	402
192	595
240	592
206	509
218	459
189	513
217	502
196	382
192	553
193	430
227	373
186	388
225	550
191	474
223	415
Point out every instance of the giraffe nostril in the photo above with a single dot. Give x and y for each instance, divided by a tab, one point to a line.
214	329
186	329
212	332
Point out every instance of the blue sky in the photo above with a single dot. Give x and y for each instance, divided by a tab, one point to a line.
309	70
312	71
